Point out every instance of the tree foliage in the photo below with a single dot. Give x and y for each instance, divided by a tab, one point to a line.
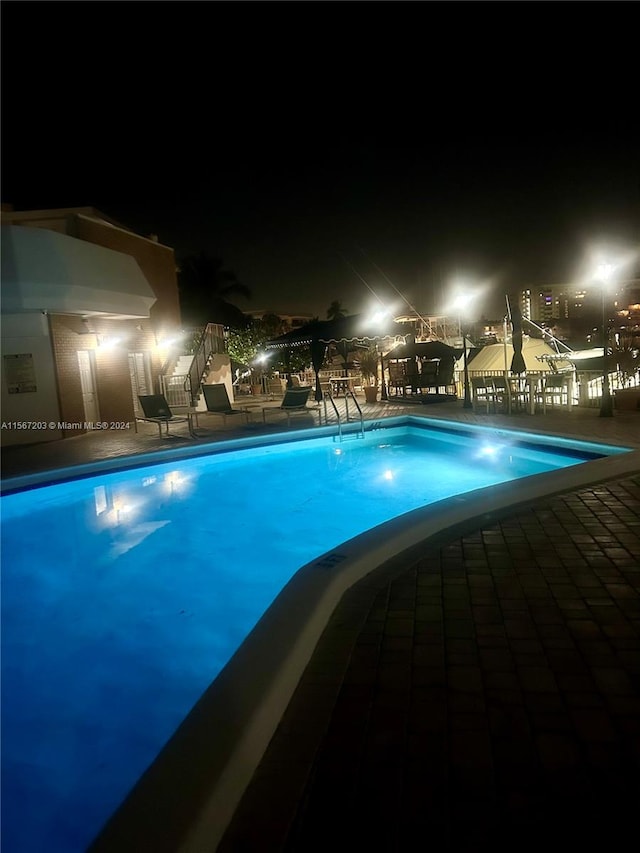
335	311
245	345
206	288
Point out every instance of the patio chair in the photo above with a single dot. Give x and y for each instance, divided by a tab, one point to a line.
157	411
520	393
294	402
325	387
555	391
482	392
501	393
274	388
217	402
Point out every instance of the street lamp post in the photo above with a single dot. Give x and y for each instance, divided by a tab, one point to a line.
606	403
467	404
461	303
383	384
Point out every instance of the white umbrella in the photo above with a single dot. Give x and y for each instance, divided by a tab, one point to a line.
498	357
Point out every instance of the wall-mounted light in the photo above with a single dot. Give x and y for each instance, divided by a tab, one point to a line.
108	342
168	340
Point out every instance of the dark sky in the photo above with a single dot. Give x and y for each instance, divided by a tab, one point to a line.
497	141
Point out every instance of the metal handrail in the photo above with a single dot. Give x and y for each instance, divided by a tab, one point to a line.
327	396
210	343
346	406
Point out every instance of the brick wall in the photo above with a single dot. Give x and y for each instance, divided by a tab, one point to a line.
65	353
113	382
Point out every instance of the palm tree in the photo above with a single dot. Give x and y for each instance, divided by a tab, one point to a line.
205	289
335	311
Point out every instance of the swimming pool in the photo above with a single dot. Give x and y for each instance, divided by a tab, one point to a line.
124	595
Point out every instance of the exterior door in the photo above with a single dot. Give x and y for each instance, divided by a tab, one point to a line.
86	363
140	374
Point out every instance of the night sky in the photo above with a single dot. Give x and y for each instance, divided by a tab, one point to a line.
311	144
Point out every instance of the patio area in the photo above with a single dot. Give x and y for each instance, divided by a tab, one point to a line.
582	423
479	692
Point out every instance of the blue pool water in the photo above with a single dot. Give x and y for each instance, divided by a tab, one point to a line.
124	594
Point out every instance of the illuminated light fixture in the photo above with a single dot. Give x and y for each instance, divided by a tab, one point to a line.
488	450
379	316
460	304
107	342
168	341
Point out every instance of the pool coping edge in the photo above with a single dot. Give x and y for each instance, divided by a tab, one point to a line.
261	678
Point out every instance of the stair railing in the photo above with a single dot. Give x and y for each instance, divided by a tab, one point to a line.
210	343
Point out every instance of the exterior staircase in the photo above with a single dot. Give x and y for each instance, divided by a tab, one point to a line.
210	362
174	384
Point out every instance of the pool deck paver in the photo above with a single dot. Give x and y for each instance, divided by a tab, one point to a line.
480	692
483	696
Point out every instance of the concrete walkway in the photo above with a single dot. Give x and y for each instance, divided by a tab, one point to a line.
481	692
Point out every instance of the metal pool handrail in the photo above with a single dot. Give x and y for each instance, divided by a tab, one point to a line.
328	396
357	405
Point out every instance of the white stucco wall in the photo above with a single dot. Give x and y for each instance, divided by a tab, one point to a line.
28	334
219	371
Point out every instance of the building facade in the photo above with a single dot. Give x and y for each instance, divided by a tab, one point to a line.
88	309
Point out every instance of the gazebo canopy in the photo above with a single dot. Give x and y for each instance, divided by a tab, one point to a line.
318	334
357	327
424	349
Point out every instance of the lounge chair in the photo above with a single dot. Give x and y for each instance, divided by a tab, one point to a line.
294	402
157	411
217	402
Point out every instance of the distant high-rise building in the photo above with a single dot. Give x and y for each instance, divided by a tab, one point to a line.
558	302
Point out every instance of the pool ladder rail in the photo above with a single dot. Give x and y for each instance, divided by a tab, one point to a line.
349	395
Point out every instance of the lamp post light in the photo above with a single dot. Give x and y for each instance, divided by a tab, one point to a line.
460	302
383	384
378	319
467	404
603	274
